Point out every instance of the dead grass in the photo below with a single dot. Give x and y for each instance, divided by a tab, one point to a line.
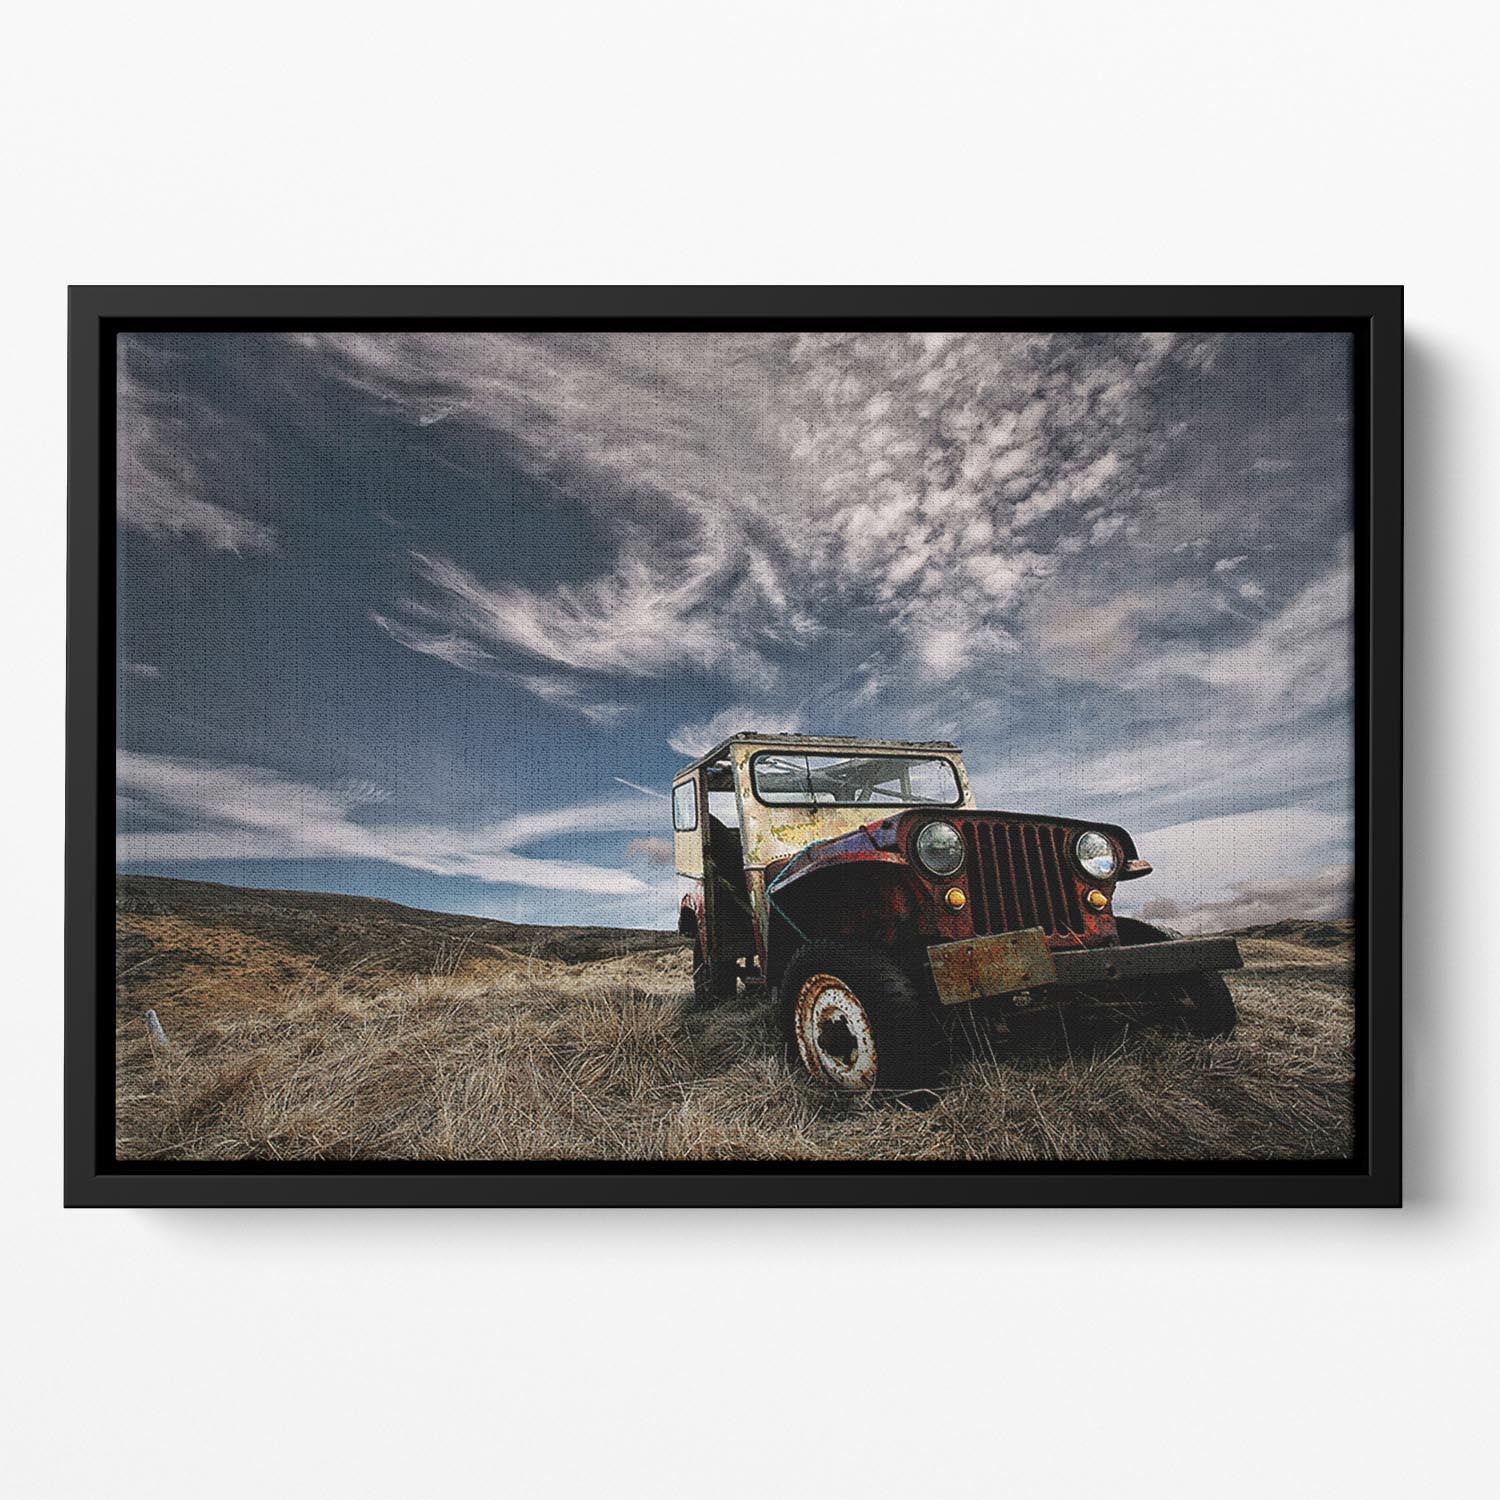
520	1058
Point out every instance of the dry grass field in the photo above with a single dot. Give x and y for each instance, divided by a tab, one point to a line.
303	1027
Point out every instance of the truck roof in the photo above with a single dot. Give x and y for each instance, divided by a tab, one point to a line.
814	742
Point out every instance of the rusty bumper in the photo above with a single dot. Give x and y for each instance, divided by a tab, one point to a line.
983	967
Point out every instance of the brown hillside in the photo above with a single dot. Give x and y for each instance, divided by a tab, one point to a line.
185	943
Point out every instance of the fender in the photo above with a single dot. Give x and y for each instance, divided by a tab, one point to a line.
870	845
875	891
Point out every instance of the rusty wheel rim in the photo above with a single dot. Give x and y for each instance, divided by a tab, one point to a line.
834	1034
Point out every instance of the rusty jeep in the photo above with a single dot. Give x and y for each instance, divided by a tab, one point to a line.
879	904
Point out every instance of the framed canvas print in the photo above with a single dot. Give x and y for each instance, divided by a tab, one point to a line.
847	746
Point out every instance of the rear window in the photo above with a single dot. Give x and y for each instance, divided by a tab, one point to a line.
685	806
783	779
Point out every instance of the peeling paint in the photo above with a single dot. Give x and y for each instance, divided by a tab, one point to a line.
836	871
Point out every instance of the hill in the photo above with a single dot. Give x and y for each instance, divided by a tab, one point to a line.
198	943
1336	934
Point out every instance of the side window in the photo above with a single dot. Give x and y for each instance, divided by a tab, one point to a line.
724	808
685	806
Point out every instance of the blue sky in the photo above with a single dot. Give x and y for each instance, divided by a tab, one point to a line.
418	615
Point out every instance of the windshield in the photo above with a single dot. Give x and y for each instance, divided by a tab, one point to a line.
783	779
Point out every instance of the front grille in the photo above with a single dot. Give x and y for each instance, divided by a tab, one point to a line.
1020	875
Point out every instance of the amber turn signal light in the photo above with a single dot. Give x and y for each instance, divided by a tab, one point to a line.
1098	900
956	899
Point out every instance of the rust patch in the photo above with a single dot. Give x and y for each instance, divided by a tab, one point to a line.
834	1035
976	968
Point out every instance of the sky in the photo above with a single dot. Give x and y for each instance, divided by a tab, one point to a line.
436	616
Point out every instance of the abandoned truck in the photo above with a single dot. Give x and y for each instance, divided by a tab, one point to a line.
878	903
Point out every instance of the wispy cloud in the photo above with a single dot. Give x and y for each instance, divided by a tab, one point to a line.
574	696
638	620
1227	871
1104	563
1300	659
1322	895
449	646
646	791
761	487
655	851
230	812
459	650
693	740
638	430
981	513
160	485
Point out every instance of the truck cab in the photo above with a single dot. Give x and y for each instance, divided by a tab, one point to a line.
861	881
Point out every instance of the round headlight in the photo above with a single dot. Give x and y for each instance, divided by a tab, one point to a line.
1096	854
940	849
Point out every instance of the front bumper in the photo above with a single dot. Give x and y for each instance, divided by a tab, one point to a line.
982	968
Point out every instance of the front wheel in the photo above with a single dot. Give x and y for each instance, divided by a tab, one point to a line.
1206	1008
857	1020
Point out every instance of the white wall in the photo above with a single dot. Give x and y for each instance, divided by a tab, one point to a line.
1070	1354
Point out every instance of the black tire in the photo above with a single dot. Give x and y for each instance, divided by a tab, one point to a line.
1210	1009
909	1043
1199	1004
713	982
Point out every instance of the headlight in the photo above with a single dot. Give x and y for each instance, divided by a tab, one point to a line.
940	849
1096	854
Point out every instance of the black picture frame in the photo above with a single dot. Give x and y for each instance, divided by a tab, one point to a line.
93	1178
